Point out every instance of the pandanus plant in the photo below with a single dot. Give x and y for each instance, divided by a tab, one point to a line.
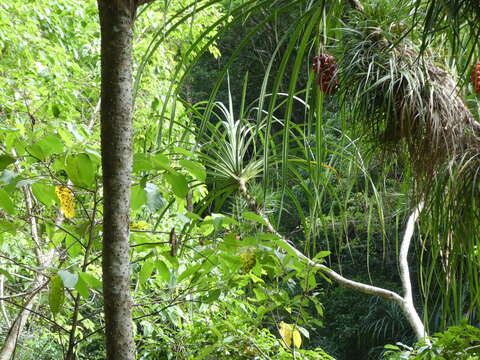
403	101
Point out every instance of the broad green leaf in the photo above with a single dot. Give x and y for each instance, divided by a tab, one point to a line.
212	296
220	220
45	194
309	282
138	197
142	162
56	295
160	162
178	182
254	217
188	271
6	160
318	306
146	271
182	151
66	136
82	287
6	203
6	274
81	170
281	243
46	146
163	271
90	280
260	294
391	347
267	236
69	279
7	226
37	152
321	255
74	248
195	169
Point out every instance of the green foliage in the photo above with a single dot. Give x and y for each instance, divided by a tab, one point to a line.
456	343
222	286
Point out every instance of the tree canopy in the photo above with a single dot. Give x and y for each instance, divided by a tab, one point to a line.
242	179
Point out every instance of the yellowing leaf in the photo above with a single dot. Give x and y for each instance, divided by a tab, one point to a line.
285	331
139	225
290	335
67	201
297	338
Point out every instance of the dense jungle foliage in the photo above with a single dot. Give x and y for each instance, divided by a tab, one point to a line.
304	181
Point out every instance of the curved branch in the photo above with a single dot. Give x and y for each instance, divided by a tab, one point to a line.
405	302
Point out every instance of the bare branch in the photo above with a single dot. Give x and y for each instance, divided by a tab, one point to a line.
410	312
23	294
405	303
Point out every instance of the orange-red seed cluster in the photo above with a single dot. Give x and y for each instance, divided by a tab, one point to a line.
476	77
325	66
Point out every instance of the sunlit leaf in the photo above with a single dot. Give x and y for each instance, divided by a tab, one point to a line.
178	182
254	217
138	197
44	193
69	279
146	271
6	203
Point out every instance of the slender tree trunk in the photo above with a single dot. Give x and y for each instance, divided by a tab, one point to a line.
44	261
76	304
2	304
116	22
16	329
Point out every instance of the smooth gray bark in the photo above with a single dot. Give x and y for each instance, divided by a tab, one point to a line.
116	23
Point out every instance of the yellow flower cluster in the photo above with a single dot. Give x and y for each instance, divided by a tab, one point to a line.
67	201
139	225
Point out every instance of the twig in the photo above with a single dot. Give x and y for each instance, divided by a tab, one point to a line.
36	313
30	292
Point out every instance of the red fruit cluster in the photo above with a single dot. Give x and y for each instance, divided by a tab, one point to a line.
476	77
325	66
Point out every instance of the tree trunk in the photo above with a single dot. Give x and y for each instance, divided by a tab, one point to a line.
44	261
116	22
16	329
